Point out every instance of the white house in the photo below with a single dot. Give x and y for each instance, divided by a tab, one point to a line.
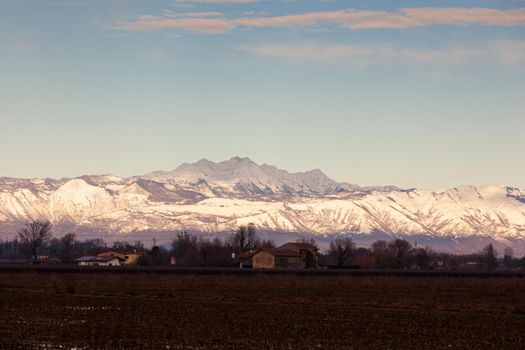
100	261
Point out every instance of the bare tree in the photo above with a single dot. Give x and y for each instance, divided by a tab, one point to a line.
382	256
185	248
400	249
341	248
156	256
421	258
221	254
244	239
267	244
508	256
489	257
35	235
124	245
205	248
68	245
91	246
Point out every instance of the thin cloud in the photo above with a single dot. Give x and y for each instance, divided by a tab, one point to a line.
16	42
462	16
203	14
21	47
214	1
508	52
403	18
349	19
66	3
192	24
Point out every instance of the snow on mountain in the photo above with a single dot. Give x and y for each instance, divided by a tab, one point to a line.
243	177
210	197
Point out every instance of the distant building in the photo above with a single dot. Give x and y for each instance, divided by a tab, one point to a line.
289	255
473	265
308	253
437	265
51	260
255	258
130	257
100	261
46	259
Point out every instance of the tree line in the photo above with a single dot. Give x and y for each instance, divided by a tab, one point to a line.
35	239
399	254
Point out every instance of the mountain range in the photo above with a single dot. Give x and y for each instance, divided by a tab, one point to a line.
211	198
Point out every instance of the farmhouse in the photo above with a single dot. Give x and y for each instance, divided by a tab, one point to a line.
308	253
289	255
129	257
100	261
255	258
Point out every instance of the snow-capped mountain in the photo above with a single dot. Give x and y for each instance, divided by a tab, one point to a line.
214	198
243	177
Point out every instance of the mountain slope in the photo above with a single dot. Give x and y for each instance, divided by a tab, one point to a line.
212	197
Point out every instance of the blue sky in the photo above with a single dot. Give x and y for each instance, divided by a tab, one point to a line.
411	93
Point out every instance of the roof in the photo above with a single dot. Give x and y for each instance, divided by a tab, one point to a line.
247	255
299	246
85	258
98	258
286	250
120	251
279	252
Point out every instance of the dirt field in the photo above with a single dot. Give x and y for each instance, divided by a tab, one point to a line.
106	311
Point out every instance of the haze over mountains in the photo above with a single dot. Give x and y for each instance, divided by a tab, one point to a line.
214	198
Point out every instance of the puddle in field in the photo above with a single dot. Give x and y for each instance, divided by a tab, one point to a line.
55	346
59	323
92	308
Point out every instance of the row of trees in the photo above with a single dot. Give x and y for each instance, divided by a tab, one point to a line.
192	251
400	254
36	238
397	254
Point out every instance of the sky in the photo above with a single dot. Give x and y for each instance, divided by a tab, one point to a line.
408	93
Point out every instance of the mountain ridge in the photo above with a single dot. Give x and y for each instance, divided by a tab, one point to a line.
244	170
213	198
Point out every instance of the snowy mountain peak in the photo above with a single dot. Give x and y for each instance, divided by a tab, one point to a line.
242	176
